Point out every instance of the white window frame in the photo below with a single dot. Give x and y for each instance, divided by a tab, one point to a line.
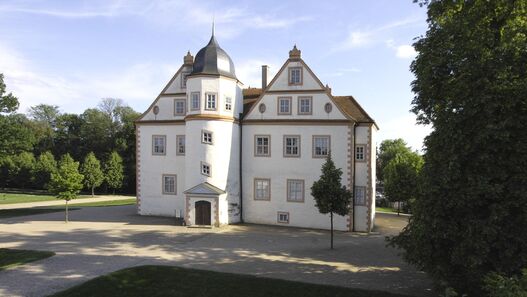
209	103
316	154
228	103
259	149
155	150
292	185
294	80
180	151
207	137
360	196
308	99
184	110
205	169
283	214
279	105
195	101
164	184
287	146
360	152
259	188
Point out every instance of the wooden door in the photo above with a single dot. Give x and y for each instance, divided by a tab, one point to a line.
202	212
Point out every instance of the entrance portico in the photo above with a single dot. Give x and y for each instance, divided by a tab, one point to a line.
203	205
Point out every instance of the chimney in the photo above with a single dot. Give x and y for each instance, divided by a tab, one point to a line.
265	75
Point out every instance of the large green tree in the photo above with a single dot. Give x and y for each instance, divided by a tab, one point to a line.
66	183
45	166
329	193
388	149
93	175
114	171
471	86
8	102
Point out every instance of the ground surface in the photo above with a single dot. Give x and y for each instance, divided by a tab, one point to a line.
101	240
161	281
56	202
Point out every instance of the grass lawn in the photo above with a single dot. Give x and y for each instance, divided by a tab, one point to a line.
10	257
159	281
17	212
8	198
386	209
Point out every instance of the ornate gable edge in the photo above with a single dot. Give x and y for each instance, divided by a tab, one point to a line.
322	87
212	190
161	94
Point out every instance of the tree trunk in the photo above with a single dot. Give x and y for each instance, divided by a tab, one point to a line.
92	191
66	211
398	207
331	230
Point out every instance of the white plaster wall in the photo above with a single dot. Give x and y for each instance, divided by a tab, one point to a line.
166	109
373	158
152	167
271	105
175	85
282	81
279	169
223	87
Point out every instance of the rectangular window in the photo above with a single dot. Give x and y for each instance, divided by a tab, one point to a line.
295	75
206	137
210	103
291	145
228	103
283	217
284	105
205	169
180	107
321	146
159	144
194	101
169	184
184	79
360	195
305	105
262	189
180	139
262	144
295	190
360	152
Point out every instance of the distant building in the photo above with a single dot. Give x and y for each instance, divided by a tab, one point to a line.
214	153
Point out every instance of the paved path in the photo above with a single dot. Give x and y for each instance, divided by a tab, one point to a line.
61	202
100	240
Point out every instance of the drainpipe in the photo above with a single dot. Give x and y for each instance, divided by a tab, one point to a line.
241	175
354	176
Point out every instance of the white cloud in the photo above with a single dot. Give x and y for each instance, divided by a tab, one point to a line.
250	72
405	52
404	127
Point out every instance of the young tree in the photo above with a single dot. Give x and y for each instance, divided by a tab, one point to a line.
401	176
45	166
66	183
330	195
114	171
471	86
91	169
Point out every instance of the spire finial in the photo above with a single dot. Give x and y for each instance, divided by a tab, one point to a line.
212	25
294	53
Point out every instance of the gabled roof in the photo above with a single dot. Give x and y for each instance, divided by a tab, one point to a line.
204	189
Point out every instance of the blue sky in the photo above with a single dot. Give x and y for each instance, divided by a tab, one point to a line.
73	53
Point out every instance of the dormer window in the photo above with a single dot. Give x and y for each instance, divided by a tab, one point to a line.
295	76
210	101
184	79
228	103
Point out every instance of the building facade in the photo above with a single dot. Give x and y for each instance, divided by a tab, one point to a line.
213	153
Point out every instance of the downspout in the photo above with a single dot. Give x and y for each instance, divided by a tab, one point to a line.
240	171
354	177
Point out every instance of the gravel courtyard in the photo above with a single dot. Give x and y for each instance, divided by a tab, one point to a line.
100	240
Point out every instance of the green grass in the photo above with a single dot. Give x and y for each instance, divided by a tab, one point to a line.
386	209
9	198
11	258
154	281
17	212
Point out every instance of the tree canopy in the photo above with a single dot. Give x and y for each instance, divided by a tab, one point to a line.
8	102
93	175
471	86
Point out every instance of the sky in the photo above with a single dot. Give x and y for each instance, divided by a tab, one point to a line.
73	53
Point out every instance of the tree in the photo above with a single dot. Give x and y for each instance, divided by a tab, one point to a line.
91	169
388	149
45	113
471	86
114	171
330	195
8	103
45	166
401	176
16	135
66	183
23	172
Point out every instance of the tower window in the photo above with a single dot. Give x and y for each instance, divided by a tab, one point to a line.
210	103
194	101
228	103
360	152
295	75
206	137
205	169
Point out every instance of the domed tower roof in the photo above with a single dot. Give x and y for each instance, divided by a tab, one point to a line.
212	59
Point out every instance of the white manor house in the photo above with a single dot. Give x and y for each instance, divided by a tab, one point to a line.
213	153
